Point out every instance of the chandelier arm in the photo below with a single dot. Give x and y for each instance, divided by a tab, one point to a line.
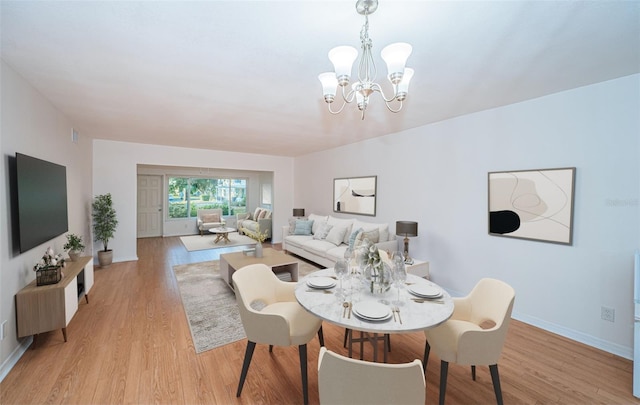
391	109
378	88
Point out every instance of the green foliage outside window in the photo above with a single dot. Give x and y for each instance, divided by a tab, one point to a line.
187	195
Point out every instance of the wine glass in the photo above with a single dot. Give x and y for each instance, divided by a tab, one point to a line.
399	278
397	256
348	256
341	268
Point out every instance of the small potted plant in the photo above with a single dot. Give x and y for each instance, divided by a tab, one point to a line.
74	246
104	226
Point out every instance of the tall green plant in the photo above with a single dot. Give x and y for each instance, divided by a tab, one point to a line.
104	219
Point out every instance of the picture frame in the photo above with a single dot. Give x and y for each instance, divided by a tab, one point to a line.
532	204
355	195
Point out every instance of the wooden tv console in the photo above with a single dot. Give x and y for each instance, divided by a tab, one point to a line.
50	307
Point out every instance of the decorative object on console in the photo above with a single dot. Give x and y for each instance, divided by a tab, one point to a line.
74	246
532	204
49	268
407	228
259	237
342	57
104	226
298	212
355	195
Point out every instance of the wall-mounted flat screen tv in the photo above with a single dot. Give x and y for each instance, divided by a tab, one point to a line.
42	200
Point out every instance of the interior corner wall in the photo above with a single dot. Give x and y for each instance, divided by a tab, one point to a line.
30	125
115	172
437	175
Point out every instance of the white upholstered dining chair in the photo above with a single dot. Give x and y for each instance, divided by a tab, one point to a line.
342	380
271	315
475	333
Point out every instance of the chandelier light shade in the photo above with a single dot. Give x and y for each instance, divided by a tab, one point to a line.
342	57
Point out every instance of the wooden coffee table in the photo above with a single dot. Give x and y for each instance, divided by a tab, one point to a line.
222	234
275	259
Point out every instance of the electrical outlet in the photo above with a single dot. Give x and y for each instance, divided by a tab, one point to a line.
2	332
608	314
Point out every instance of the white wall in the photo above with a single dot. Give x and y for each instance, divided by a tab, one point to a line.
31	125
437	175
115	172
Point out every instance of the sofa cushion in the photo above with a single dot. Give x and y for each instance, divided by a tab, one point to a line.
322	231
336	235
250	225
303	227
317	219
318	247
347	223
298	240
383	229
336	253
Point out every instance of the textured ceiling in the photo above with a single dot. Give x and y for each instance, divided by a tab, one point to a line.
242	76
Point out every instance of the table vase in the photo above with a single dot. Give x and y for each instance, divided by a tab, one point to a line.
378	278
258	249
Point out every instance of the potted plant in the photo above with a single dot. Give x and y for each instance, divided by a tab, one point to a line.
104	226
74	246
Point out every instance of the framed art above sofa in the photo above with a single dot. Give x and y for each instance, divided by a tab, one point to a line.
355	195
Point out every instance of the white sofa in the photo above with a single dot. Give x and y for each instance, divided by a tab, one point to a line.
326	251
248	223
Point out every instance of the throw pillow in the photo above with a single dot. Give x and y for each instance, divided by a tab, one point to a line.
263	214
373	235
336	234
208	218
303	227
256	213
292	225
353	237
322	231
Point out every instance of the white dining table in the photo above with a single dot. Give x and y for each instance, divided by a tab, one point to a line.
413	315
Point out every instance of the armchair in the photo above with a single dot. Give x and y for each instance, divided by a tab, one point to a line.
281	321
209	218
475	333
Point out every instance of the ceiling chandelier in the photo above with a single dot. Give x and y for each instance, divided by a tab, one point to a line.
342	57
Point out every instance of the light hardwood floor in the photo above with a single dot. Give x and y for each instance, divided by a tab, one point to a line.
131	345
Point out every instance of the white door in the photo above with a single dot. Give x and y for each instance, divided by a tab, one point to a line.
149	206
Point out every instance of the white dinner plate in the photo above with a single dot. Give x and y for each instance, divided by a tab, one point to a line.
372	310
425	290
321	282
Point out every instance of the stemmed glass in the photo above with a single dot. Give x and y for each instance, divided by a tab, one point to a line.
399	278
341	268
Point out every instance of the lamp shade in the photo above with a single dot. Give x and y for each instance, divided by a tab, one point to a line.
329	84
407	228
403	86
395	56
342	58
298	212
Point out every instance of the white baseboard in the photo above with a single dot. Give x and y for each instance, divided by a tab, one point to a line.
613	348
14	357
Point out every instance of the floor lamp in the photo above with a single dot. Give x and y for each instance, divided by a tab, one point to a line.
406	229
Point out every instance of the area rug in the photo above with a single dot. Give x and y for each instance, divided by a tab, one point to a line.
210	305
197	242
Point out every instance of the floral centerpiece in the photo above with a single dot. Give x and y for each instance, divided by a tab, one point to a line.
259	237
376	271
48	269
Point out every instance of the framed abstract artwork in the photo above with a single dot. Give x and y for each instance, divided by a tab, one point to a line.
532	204
355	195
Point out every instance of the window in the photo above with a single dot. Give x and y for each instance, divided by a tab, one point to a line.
189	194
